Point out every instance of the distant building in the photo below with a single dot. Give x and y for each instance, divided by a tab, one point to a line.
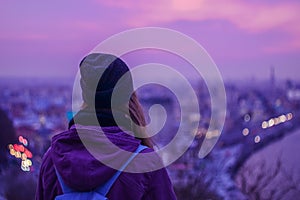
293	94
272	82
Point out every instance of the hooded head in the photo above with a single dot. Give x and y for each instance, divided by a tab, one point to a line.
100	74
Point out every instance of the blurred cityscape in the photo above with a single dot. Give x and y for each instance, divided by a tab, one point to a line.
259	114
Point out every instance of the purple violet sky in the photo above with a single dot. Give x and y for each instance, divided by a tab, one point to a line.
244	38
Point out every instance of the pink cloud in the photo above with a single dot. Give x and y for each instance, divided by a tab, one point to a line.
248	16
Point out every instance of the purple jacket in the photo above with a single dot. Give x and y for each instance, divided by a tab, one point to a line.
81	171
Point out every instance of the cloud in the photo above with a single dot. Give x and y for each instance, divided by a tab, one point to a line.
251	17
246	15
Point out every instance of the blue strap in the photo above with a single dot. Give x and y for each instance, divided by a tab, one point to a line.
64	187
104	189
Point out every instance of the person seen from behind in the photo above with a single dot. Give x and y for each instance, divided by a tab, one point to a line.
79	169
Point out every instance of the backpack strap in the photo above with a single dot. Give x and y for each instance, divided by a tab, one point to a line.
104	189
65	189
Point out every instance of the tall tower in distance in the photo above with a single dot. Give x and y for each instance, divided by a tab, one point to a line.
272	81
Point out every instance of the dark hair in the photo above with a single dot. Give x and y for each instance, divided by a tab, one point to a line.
137	116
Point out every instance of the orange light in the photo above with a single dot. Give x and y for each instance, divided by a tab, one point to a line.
282	118
12	152
18	154
24	156
264	125
271	122
257	139
246	131
289	116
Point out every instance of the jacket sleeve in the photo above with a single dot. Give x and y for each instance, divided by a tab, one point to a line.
48	186
160	187
39	189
